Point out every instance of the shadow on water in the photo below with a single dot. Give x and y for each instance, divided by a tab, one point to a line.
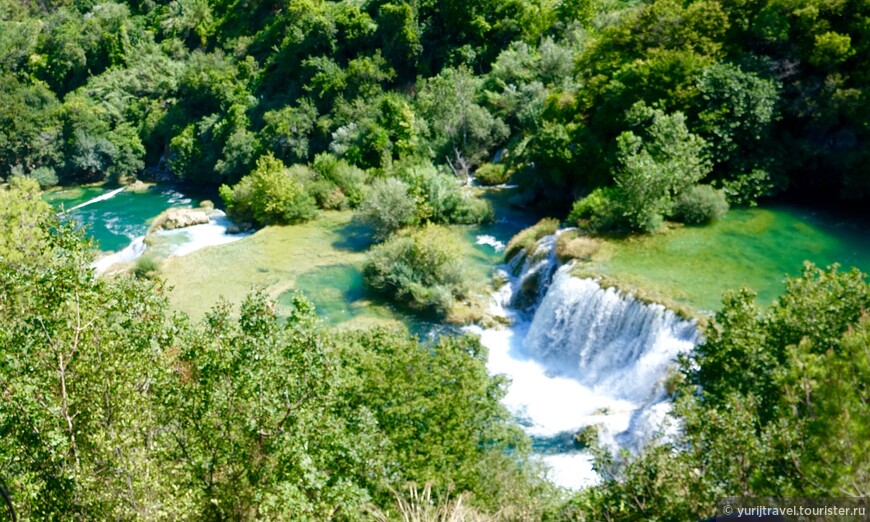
354	237
555	444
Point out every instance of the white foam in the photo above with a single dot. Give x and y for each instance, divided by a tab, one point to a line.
587	356
497	245
102	197
572	470
129	254
198	237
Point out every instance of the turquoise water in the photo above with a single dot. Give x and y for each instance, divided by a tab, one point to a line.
750	247
756	248
114	222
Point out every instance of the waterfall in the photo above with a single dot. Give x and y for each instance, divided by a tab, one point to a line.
607	341
129	254
535	271
102	197
196	237
579	355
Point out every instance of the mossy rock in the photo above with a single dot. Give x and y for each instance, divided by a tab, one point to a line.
572	246
526	240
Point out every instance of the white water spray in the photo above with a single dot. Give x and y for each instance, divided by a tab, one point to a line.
129	254
101	197
198	237
581	355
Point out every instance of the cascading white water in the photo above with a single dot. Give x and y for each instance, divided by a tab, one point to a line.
534	273
197	237
129	254
607	341
180	242
579	355
101	197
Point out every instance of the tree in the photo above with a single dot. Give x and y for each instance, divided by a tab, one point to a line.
271	194
387	207
462	132
250	420
440	415
654	167
30	127
287	131
738	110
77	373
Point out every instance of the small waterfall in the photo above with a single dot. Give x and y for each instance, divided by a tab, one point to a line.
608	341
190	239
131	253
101	197
580	355
496	245
534	272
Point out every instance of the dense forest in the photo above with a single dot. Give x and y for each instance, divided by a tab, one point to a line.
662	109
614	115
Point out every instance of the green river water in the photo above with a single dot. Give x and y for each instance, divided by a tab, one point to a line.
750	247
693	265
114	222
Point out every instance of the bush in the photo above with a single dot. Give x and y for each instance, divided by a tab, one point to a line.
271	194
447	202
526	239
387	207
419	269
700	204
601	210
146	267
492	174
338	174
571	246
45	176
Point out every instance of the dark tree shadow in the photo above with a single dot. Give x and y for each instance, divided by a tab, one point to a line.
354	237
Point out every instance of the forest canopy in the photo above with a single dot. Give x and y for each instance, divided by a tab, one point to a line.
752	98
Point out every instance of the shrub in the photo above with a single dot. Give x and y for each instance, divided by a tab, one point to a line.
701	204
271	194
328	196
601	210
146	267
446	201
348	179
526	239
492	174
387	207
45	176
419	269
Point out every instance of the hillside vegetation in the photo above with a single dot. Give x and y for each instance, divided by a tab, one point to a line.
633	102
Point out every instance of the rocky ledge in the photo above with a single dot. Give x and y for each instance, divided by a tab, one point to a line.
175	218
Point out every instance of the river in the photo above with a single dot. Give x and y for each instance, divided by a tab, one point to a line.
581	356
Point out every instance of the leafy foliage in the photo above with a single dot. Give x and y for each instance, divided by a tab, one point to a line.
655	168
387	207
115	407
419	269
700	205
773	403
272	194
